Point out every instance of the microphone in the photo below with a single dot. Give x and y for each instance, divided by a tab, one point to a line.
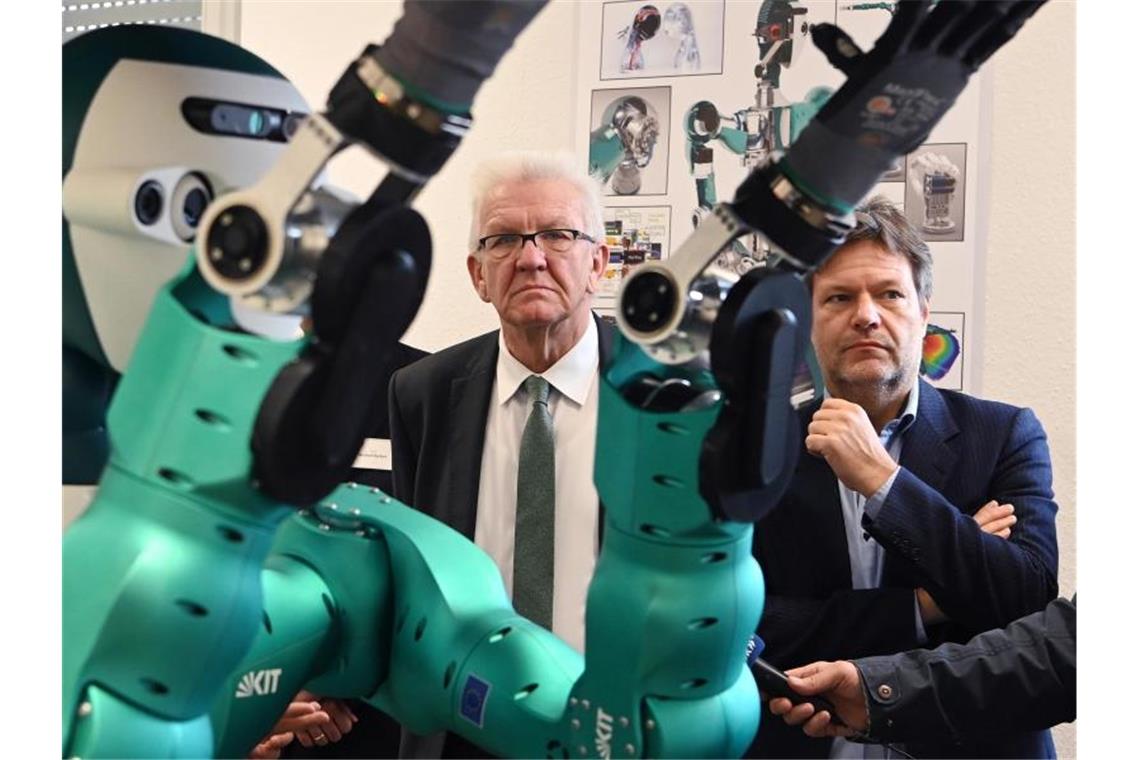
774	682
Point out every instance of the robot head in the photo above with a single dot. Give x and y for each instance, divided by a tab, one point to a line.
645	23
157	121
677	21
776	33
635	122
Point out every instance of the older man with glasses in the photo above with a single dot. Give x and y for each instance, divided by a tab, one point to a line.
495	436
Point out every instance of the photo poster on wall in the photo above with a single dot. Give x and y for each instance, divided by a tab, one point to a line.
634	235
936	191
629	140
669	95
944	350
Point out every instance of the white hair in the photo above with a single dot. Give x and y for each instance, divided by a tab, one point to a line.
529	166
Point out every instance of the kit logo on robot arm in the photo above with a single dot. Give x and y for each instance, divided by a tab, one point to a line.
258	683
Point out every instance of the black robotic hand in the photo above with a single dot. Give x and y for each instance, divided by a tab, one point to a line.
445	49
896	92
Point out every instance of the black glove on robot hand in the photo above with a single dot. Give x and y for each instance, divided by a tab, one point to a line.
445	49
896	92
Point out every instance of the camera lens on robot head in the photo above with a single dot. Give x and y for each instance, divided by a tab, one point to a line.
244	121
191	196
648	301
237	243
148	202
193	206
292	124
216	117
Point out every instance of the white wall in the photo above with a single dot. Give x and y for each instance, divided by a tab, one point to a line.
1028	292
1031	267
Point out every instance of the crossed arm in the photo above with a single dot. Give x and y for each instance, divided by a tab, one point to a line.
981	571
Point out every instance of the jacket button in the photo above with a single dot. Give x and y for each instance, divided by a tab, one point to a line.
885	692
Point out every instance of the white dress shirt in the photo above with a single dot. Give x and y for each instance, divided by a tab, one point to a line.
573	405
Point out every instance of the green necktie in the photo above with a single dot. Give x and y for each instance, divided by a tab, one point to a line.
534	516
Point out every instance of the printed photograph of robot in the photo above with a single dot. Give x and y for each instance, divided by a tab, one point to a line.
770	122
634	235
629	140
936	191
942	349
674	39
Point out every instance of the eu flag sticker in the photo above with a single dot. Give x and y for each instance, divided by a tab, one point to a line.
474	699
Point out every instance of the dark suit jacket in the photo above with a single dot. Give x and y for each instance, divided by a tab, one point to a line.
960	453
1022	676
438	415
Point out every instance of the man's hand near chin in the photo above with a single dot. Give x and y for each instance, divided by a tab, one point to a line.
842	433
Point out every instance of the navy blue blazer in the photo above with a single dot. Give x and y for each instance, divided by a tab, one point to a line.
960	452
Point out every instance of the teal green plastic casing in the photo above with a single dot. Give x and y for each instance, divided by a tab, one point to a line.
298	637
415	641
676	594
163	619
606	151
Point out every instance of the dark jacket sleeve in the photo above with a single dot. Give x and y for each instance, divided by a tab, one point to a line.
1020	678
846	624
404	456
979	580
810	610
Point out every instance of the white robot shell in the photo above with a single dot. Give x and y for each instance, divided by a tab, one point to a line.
138	177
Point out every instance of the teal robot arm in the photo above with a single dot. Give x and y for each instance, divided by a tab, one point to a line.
214	433
161	591
434	642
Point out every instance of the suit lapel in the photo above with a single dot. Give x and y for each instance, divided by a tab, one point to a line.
469	402
930	453
927	451
605	347
605	341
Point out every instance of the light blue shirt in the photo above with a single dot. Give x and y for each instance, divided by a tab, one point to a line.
866	554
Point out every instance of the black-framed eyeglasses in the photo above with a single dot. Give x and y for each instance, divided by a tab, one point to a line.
506	244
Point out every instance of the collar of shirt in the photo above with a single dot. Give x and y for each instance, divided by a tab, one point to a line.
571	375
906	418
899	425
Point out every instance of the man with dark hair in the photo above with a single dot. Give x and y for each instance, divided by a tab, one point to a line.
917	515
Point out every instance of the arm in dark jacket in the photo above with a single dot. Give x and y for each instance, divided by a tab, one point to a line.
1019	678
404	456
979	580
810	610
845	624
